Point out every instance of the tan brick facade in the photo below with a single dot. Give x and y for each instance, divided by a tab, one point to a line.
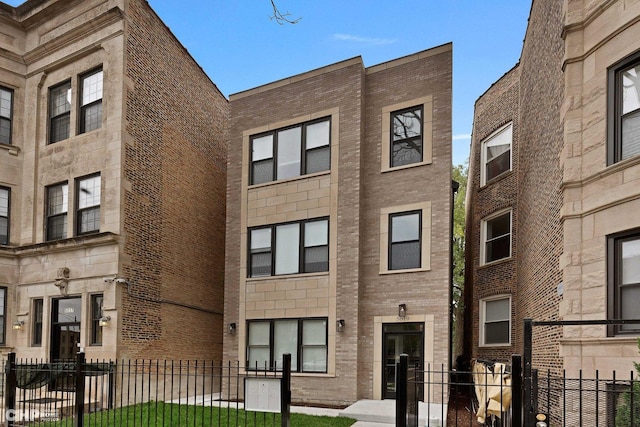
354	194
570	201
159	151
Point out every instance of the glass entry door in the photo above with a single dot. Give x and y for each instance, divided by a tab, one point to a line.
65	329
399	338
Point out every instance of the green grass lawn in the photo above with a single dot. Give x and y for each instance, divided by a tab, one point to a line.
154	414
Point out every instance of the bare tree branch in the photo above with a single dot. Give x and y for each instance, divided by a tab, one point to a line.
282	18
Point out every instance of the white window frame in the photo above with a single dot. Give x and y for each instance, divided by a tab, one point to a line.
483	152
482	322
483	236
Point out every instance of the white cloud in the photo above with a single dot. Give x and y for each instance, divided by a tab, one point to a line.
364	40
461	136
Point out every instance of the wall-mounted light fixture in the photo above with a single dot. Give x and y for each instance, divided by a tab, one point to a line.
17	325
104	320
340	325
232	328
402	311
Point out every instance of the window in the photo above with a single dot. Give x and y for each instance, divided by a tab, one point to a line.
495	321
3	315
91	101
290	152
496	154
624	110
623	261
6	115
297	247
96	314
4	215
88	203
59	112
38	306
406	136
57	204
496	238
304	339
404	240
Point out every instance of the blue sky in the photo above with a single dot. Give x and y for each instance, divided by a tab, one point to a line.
239	47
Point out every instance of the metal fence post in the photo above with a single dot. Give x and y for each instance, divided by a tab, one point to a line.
528	355
516	390
80	372
10	391
285	391
401	390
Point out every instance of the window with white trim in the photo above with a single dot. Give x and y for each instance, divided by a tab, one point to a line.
304	339
496	238
290	152
495	320
496	154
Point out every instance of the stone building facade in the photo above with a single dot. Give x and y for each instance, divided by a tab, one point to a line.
112	185
571	184
351	166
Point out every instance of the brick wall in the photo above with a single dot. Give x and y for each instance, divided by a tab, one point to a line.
174	203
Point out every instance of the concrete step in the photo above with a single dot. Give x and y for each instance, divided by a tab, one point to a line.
383	412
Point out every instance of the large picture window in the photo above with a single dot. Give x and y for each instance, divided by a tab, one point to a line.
304	339
6	115
57	206
91	101
624	110
296	247
623	260
5	209
496	154
88	205
496	237
495	321
290	152
406	136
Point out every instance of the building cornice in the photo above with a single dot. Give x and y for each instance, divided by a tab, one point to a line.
58	246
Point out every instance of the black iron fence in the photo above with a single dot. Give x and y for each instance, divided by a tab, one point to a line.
137	393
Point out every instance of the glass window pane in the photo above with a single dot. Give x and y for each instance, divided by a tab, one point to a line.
407	152
405	227
261	238
631	89
498	248
89	192
407	124
58	199
57	227
4	231
91	117
314	359
631	262
285	340
496	333
262	171
316	259
497	310
630	309
5	103
316	233
314	332
318	160
631	135
405	255
258	358
289	146
318	134
89	220
5	131
92	88
499	226
262	148
261	264
60	128
3	295
60	101
259	333
498	165
287	248
4	202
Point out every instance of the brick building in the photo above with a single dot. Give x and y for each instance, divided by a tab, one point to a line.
553	192
112	165
352	166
